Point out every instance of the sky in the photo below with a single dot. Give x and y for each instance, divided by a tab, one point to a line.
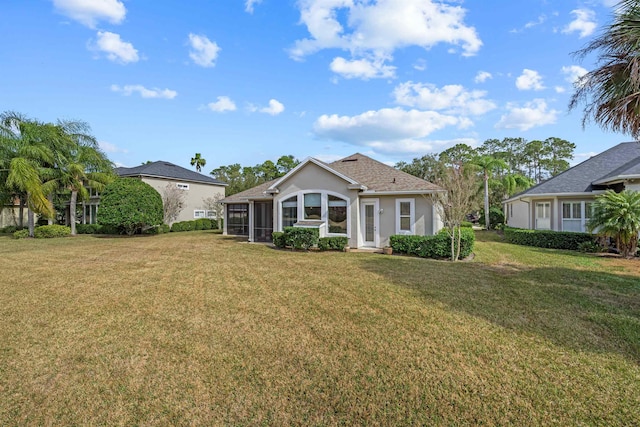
244	81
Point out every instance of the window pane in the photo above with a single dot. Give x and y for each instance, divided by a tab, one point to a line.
405	208
338	219
289	216
566	210
588	206
291	202
405	223
577	211
337	201
312	208
369	223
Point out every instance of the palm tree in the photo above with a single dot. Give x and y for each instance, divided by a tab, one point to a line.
24	154
611	92
617	215
198	162
488	165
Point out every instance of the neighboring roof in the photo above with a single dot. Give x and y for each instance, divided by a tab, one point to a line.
378	177
162	169
370	175
623	160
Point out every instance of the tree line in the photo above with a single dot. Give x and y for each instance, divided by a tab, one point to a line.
41	161
240	178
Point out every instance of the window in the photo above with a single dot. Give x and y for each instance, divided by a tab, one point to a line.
337	215
290	211
575	215
199	214
211	214
543	216
405	216
238	219
312	206
182	186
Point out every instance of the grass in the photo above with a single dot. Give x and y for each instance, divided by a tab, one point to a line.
198	329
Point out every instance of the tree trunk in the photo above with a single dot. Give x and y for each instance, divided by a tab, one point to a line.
21	213
453	243
72	211
459	243
50	198
487	223
31	222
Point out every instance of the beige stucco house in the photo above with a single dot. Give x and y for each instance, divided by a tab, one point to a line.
357	197
196	188
563	203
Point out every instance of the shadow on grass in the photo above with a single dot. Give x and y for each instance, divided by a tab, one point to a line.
577	309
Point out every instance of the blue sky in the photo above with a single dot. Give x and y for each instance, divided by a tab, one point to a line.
243	81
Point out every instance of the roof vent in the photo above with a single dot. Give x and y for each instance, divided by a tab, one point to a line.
349	160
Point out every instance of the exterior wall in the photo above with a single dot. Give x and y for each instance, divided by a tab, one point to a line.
310	178
10	215
518	214
632	185
423	219
194	196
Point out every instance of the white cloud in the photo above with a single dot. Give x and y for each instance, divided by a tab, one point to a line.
89	12
560	89
362	68
275	107
584	23
532	114
386	130
224	103
610	3
573	73
529	80
127	90
249	4
376	29
450	98
541	20
116	49
107	147
482	77
203	51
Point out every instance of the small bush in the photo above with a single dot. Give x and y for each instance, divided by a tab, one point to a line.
21	234
466	224
590	247
301	238
438	246
10	229
279	239
336	243
51	231
107	229
496	217
547	238
160	229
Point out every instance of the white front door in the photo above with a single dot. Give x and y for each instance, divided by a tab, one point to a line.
370	223
543	216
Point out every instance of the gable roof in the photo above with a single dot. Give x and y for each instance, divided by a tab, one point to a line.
378	177
161	169
359	172
619	162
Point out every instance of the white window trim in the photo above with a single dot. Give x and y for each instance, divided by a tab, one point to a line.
583	213
324	209
412	216
195	213
182	186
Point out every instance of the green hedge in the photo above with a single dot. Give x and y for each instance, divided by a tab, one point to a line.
96	229
50	231
21	234
336	243
10	229
547	238
279	239
438	246
196	224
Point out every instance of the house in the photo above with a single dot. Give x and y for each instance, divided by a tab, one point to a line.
10	214
357	197
159	175
563	203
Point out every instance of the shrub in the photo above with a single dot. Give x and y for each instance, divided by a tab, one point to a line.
50	231
130	205
10	229
279	239
87	228
203	224
336	243
590	246
301	238
547	238
21	234
107	229
438	246
496	217
160	229
466	224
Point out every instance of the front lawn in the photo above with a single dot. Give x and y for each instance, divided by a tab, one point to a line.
198	329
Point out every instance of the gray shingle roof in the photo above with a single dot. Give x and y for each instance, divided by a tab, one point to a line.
162	169
374	175
623	159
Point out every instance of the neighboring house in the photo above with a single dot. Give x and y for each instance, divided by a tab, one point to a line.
357	197
10	214
563	203
196	187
